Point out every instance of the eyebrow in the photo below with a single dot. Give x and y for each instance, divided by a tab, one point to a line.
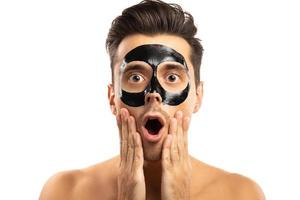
134	67
170	66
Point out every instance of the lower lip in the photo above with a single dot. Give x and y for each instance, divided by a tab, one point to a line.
152	138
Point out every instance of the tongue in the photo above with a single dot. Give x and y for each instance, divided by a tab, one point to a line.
152	132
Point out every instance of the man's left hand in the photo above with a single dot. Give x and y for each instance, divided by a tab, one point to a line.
176	164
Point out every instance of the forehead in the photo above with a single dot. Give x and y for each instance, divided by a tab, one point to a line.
154	54
133	41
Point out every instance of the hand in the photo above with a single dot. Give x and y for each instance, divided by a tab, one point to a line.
131	181
176	164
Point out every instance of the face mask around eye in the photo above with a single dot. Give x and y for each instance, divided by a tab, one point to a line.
164	71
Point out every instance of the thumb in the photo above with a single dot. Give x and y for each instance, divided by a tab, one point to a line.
166	149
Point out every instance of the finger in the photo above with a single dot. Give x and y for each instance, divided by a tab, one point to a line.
136	139
138	160
185	126
174	145
130	143
180	136
131	125
166	153
119	123
124	136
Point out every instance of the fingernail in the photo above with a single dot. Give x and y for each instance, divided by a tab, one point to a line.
179	114
173	120
123	113
130	119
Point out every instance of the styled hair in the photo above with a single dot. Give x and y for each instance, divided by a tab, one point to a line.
151	17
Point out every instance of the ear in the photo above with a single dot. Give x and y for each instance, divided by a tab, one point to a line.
111	98
199	96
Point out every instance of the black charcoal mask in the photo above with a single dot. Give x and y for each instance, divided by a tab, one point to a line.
154	56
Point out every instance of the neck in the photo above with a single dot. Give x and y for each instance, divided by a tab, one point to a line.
153	173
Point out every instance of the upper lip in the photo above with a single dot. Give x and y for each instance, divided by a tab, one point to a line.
157	116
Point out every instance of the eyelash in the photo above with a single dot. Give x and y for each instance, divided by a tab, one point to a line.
172	74
131	76
134	75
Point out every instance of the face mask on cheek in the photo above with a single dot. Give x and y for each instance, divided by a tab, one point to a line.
153	68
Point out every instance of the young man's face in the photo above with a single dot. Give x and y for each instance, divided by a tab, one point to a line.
153	79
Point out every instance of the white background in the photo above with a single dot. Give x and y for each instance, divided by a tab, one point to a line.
54	70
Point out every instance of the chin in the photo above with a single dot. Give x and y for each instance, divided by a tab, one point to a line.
153	151
152	155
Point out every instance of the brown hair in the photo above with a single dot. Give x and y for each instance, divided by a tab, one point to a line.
152	17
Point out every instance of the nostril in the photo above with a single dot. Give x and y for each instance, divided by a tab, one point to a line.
149	98
154	97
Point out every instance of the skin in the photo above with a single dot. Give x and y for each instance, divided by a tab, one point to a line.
152	170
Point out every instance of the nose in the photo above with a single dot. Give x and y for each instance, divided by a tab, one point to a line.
152	97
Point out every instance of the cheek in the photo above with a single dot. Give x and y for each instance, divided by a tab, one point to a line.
136	112
187	106
184	107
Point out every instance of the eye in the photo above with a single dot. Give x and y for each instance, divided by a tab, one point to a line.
172	78
136	78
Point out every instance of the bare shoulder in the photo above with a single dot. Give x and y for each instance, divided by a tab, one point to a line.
242	187
88	183
60	185
214	183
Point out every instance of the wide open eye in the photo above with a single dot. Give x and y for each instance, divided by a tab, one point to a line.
172	78
136	78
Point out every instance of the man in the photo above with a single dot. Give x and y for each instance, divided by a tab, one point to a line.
156	87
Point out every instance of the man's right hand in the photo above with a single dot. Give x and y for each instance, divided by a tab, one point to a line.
131	180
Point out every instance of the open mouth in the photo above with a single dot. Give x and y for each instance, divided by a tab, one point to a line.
153	126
